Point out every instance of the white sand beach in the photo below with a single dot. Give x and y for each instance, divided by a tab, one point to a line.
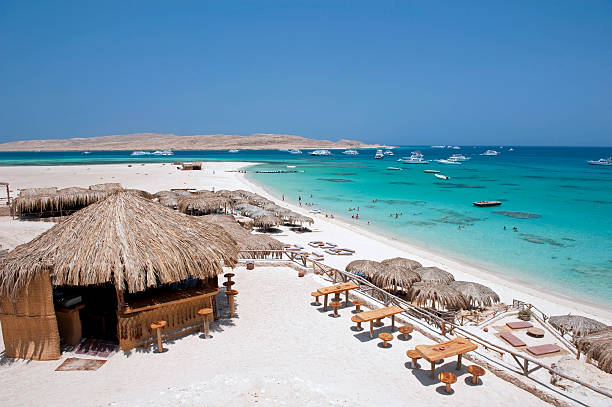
280	350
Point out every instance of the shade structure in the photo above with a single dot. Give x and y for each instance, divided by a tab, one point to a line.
266	221
437	295
434	275
475	294
51	201
108	187
126	239
403	263
598	346
395	276
576	324
364	268
170	198
199	203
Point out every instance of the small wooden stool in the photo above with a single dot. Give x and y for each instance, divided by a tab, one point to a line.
447	378
229	276
405	330
476	372
204	313
228	284
335	305
414	355
230	298
358	304
385	337
356	320
316	295
536	332
158	325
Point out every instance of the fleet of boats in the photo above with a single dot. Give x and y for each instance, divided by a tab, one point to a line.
157	152
321	152
602	161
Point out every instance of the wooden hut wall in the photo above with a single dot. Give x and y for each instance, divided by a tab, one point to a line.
29	327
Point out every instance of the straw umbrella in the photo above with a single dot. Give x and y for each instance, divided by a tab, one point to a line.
576	324
107	187
402	262
125	239
394	275
437	294
202	203
364	268
476	294
434	275
598	346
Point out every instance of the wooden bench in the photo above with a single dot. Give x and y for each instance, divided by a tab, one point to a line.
542	350
378	314
512	339
414	356
519	324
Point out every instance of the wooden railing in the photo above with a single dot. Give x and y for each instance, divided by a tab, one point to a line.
444	323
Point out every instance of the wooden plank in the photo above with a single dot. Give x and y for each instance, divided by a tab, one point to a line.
454	347
202	293
379	313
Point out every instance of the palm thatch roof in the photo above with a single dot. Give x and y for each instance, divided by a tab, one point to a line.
202	203
51	200
107	187
598	346
434	275
476	294
437	294
395	276
365	268
266	221
126	239
576	324
170	198
403	263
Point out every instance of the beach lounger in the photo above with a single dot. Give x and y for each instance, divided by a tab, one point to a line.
512	339
317	256
347	250
519	324
345	253
543	349
316	244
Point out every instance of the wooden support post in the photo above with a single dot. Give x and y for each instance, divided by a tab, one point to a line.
459	361
443	328
433	370
371	329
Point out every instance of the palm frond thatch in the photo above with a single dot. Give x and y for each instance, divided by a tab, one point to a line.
434	275
403	263
475	294
436	295
576	324
364	268
107	187
202	203
395	276
126	239
598	346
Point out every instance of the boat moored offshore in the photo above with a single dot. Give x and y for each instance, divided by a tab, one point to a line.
606	162
490	152
487	203
321	152
350	152
379	154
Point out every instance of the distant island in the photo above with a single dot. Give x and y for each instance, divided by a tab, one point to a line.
155	141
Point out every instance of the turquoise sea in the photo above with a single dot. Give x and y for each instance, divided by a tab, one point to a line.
560	206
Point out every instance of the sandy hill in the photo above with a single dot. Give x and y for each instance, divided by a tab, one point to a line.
154	141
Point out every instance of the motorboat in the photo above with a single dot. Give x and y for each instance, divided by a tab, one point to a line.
441	176
350	152
416	157
379	154
233	150
137	153
388	152
394	168
511	149
321	152
459	157
86	152
456	148
487	203
162	152
449	161
291	166
602	161
294	151
490	152
432	171
438	146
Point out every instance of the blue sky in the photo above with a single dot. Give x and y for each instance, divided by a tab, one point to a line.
409	72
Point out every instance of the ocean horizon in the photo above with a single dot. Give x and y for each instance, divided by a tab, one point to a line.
559	205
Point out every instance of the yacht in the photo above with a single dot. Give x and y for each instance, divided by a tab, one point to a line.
379	154
490	152
602	161
162	152
294	151
86	152
137	153
321	152
511	149
415	158
459	157
438	146
449	161
456	148
388	152
350	152
233	150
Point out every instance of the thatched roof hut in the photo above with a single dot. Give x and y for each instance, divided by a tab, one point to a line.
107	187
576	324
170	198
202	203
394	275
436	294
51	201
598	346
365	268
476	294
434	275
266	221
126	241
402	262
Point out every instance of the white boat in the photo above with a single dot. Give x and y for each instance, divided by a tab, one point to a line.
162	152
394	168
137	153
511	149
233	150
490	152
350	152
294	151
388	152
432	171
321	152
606	162
379	154
438	146
449	161
291	166
86	152
456	148
416	157
459	157
441	176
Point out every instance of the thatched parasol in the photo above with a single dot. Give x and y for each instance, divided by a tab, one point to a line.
576	324
426	293
126	239
475	294
266	221
202	203
364	268
108	187
434	275
598	346
395	275
403	263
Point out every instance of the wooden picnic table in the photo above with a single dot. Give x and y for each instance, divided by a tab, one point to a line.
377	314
336	289
457	346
